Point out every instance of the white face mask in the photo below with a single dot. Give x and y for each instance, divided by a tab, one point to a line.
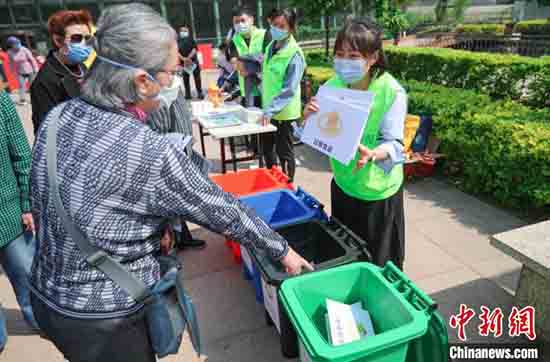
168	95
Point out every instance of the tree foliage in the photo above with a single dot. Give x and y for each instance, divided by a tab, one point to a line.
315	9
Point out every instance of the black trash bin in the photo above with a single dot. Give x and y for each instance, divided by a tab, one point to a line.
326	244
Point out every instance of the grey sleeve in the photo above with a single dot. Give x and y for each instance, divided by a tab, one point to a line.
392	133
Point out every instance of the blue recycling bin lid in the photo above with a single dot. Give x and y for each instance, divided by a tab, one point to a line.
280	208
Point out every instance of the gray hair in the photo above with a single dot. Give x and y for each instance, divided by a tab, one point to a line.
132	34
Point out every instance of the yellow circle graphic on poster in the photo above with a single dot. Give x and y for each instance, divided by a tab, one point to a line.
330	124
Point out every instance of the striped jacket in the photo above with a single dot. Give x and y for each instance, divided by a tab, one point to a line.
120	182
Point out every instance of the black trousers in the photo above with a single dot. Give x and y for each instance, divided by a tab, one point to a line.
94	340
380	223
198	83
280	144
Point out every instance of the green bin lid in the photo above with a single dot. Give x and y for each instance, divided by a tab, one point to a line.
432	346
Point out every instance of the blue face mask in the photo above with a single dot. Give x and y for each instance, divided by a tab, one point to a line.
350	71
243	28
78	53
131	67
184	34
278	34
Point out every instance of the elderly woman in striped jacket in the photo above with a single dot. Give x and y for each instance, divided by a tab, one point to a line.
119	183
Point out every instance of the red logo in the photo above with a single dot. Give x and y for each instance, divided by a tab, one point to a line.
461	320
522	322
491	322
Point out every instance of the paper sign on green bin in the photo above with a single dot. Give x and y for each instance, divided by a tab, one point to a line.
399	310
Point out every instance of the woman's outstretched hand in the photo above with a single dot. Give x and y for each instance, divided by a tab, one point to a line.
365	155
294	263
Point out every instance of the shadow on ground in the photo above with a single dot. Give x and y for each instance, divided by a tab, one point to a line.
445	200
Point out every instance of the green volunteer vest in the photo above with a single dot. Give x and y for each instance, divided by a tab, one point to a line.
370	183
274	71
255	47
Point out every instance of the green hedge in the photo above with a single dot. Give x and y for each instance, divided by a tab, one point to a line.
535	27
499	75
501	148
494	29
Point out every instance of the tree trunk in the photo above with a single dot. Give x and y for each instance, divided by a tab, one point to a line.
327	35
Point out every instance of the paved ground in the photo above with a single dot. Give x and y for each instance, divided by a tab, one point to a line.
448	256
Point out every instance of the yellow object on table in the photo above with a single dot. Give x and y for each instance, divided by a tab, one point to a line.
215	95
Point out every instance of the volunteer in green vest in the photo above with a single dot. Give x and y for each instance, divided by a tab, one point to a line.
367	194
248	40
283	68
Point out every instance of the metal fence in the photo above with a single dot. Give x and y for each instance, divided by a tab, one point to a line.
532	46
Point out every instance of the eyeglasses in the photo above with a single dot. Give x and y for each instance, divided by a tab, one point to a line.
79	38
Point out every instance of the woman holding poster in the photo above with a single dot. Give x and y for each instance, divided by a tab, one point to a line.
367	193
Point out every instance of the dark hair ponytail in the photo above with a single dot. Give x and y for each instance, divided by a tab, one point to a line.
366	37
242	10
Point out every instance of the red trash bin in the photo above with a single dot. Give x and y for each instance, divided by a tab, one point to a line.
205	56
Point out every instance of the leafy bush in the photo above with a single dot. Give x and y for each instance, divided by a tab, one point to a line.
435	29
499	75
317	58
535	27
507	160
502	147
493	29
429	99
318	76
395	22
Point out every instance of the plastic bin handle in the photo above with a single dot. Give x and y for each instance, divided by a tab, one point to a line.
336	223
309	200
428	303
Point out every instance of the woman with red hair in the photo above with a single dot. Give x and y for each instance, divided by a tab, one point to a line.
60	77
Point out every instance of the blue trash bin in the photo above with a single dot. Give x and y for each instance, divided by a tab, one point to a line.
278	208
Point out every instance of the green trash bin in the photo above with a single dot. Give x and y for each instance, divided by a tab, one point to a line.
400	313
